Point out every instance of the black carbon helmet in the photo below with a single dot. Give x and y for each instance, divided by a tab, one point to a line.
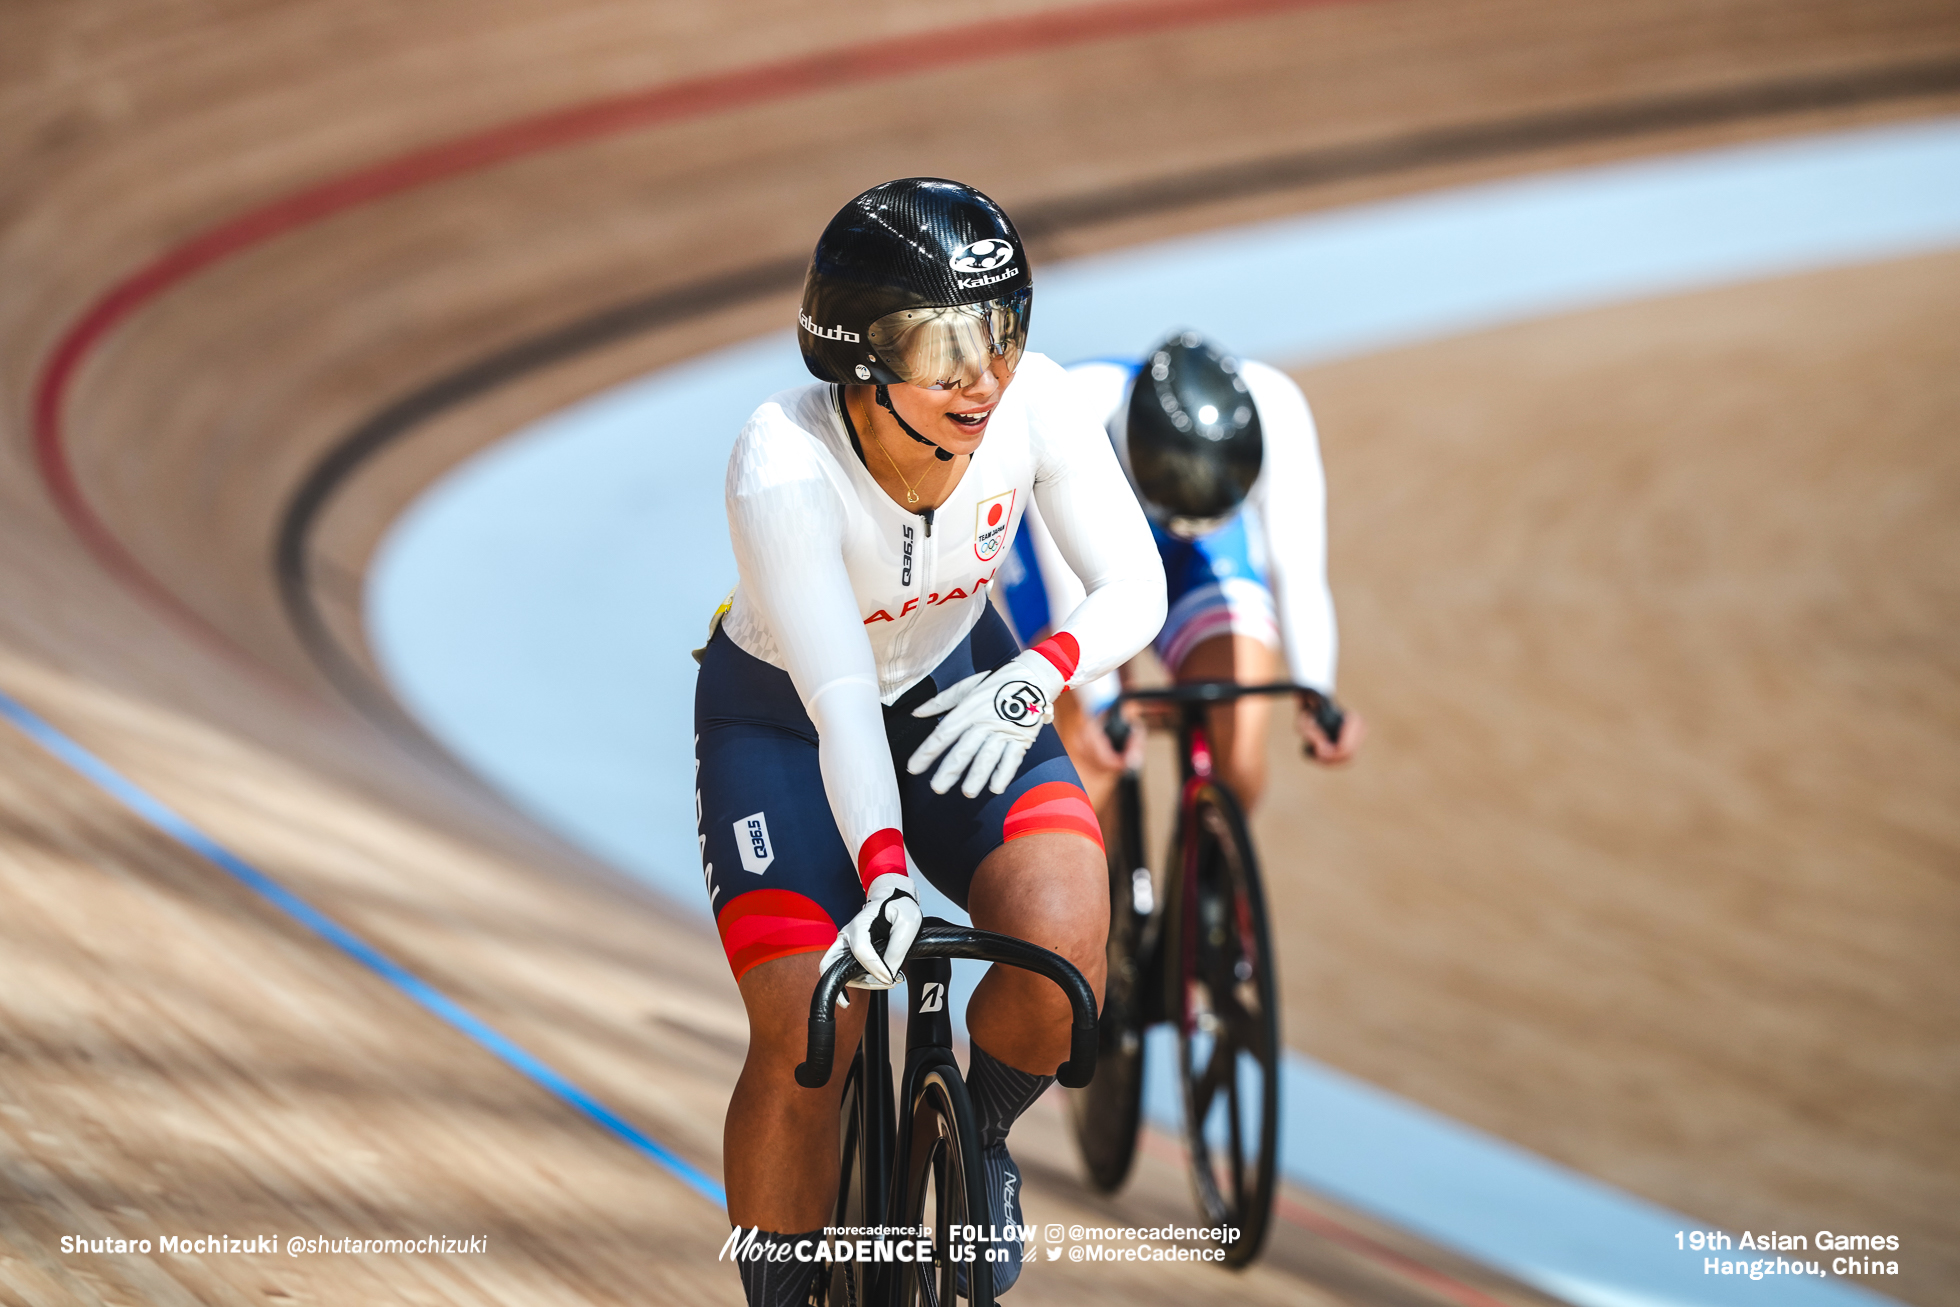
918	242
1193	439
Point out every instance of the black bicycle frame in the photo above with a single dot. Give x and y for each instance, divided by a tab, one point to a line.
879	1117
940	940
928	1043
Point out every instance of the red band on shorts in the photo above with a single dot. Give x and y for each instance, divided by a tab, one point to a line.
881	854
765	924
1061	650
1054	806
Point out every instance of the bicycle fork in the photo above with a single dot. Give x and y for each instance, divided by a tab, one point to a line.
928	1042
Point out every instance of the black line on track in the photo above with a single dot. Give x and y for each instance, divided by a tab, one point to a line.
1039	221
1474	141
390	424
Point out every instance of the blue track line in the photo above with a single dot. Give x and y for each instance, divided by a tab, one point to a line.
448	1009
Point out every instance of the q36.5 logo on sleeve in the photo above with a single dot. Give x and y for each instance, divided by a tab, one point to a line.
1020	703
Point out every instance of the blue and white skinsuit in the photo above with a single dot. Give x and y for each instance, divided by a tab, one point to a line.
1262	574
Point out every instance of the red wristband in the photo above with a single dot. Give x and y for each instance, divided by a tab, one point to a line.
1061	650
881	854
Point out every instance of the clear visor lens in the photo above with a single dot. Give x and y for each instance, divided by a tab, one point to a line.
948	349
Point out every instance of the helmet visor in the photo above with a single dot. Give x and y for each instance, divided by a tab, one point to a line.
948	349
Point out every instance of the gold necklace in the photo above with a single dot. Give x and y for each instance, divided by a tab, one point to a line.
911	495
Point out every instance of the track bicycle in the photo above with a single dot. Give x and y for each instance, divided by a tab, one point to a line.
1194	951
916	1162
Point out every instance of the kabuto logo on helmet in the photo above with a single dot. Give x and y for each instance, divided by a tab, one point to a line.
981	255
902	246
1019	703
833	333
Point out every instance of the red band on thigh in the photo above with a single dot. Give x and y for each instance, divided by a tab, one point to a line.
1054	806
765	924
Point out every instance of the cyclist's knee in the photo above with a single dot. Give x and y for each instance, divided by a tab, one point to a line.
1244	769
1051	889
777	997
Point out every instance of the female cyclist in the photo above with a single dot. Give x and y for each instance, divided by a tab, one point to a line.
863	715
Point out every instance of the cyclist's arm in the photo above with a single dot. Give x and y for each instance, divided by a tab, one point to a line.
1098	529
786	519
1064	593
1290	498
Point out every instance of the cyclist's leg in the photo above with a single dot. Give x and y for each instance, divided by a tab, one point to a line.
1238	729
780	882
779	1147
1079	721
1050	888
1027	862
1222	627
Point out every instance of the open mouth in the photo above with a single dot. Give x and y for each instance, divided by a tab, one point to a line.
972	421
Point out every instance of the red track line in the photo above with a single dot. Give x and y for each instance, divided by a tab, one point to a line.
1447	1285
673	102
1165	1149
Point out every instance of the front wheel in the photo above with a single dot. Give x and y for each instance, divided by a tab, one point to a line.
945	1188
846	1284
1223	995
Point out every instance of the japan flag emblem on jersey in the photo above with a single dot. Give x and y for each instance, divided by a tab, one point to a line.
990	524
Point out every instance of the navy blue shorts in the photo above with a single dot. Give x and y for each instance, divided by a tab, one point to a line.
779	878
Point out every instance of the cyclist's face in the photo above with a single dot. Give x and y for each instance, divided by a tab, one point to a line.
954	419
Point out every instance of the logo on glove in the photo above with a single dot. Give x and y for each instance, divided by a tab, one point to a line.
1019	703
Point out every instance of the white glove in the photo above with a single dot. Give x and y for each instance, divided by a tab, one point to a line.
890	899
994	716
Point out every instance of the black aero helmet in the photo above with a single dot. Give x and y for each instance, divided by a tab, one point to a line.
1193	439
921	281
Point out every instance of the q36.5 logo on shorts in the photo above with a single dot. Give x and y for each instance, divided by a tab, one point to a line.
1020	703
982	255
752	843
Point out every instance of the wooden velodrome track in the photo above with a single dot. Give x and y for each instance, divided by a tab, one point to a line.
1651	866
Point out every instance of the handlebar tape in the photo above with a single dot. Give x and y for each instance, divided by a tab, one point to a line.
1080	1068
1328	714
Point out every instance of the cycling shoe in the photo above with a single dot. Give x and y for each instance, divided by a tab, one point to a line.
1003	1210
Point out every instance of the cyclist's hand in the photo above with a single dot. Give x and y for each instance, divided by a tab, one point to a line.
1335	751
891	906
1086	736
991	719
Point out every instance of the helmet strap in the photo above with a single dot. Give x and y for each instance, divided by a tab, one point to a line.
885	402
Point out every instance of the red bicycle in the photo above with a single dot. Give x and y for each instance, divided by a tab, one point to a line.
1191	947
